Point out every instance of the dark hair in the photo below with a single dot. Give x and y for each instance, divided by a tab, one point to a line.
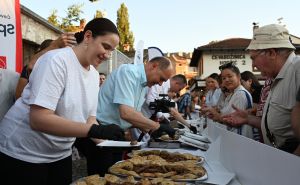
98	26
163	62
246	75
230	66
44	45
102	74
181	78
216	77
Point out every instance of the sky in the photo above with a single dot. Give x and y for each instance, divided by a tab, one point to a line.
182	25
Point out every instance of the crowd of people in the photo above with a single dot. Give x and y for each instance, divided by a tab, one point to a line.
60	96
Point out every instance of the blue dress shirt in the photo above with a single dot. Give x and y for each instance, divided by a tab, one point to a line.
124	86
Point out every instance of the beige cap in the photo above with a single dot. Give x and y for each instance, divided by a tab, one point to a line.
270	36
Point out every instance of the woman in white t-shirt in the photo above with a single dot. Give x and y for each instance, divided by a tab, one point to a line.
58	104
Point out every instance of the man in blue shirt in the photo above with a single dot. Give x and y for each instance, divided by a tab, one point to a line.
120	101
123	93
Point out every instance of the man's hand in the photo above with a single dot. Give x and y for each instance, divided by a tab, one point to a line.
237	118
112	132
155	126
213	114
66	39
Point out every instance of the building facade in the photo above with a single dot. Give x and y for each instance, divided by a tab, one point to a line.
208	58
181	62
35	30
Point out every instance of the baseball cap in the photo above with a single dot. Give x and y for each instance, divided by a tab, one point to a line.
270	36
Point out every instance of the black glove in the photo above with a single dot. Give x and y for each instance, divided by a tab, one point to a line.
193	129
163	129
112	132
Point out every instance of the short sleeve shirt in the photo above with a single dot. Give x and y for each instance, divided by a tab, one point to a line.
58	82
124	86
281	101
242	99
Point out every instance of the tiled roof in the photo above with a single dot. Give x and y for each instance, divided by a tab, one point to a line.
232	43
227	44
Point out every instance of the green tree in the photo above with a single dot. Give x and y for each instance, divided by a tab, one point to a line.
73	15
99	14
126	36
53	19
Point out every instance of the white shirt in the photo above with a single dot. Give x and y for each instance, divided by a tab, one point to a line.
58	82
153	93
8	83
212	97
239	99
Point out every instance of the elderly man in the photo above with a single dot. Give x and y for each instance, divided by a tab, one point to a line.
296	120
120	101
273	54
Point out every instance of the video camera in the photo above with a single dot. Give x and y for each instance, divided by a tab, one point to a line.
162	105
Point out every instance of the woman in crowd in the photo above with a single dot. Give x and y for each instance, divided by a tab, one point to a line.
237	95
57	105
251	83
213	90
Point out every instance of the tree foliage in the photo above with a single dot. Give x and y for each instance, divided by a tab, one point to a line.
126	36
53	18
99	14
73	15
67	23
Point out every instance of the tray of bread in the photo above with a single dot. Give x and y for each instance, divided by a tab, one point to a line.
110	179
169	156
154	166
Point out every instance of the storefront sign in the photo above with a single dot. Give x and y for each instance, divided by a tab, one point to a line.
237	59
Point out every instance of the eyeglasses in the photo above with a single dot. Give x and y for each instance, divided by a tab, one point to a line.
253	57
226	66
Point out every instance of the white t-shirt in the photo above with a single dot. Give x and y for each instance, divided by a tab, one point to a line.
58	82
8	83
239	99
212	97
